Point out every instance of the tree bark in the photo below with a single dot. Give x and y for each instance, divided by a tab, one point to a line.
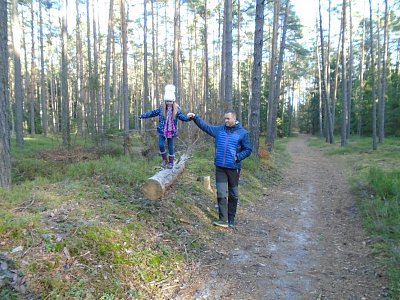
43	90
108	68
343	140
254	119
374	138
5	156
125	101
381	125
65	126
272	88
156	186
32	81
19	111
228	75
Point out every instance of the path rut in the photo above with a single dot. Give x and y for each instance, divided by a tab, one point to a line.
302	240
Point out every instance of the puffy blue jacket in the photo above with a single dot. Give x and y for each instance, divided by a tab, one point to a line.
161	119
232	144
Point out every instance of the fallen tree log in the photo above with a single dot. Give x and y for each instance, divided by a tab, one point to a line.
155	187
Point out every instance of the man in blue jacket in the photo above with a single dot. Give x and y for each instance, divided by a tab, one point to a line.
232	145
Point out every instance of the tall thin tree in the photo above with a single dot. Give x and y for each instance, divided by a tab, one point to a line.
228	74
65	125
125	101
254	119
269	140
5	156
108	69
345	115
43	90
19	111
372	55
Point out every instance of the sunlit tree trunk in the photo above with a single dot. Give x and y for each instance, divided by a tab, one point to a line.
361	95
206	67
228	75
271	97
350	76
154	45
96	80
277	92
19	112
81	91
5	157
124	36
343	140
254	118
239	79
146	105
382	92
32	80
65	126
91	110
43	90
177	48
329	129
374	138
108	68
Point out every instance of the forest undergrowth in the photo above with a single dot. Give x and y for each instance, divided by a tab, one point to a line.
375	179
75	224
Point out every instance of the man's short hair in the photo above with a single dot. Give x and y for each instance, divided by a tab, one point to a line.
231	111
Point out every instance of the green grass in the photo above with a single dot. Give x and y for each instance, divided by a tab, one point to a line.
89	233
376	180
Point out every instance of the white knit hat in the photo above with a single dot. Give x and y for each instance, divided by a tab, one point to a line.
169	94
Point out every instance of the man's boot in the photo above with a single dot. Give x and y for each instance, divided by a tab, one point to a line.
171	161
164	159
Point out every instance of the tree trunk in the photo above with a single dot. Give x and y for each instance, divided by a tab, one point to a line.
277	92
374	140
5	157
32	78
124	36
145	73
239	79
81	91
19	111
91	111
382	92
361	95
228	75
177	37
65	127
155	187
108	68
321	105
43	90
254	119
96	82
350	76
329	129
343	140
271	97
206	68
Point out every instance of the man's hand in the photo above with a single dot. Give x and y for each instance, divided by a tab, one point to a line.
191	115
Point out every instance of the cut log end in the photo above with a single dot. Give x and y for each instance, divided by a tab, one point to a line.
152	189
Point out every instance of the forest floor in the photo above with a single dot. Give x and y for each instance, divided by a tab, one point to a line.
302	240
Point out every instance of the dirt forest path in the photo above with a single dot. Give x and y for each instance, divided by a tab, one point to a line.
302	240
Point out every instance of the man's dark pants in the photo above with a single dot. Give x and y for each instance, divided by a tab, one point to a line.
227	182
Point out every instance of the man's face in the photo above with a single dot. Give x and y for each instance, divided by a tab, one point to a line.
230	120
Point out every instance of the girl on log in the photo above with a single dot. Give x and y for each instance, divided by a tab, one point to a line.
168	114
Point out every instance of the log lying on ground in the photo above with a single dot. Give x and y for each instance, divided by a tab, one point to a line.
154	188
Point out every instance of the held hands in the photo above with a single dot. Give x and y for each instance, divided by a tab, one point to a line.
191	115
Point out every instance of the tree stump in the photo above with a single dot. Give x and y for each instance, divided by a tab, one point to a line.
155	187
206	181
